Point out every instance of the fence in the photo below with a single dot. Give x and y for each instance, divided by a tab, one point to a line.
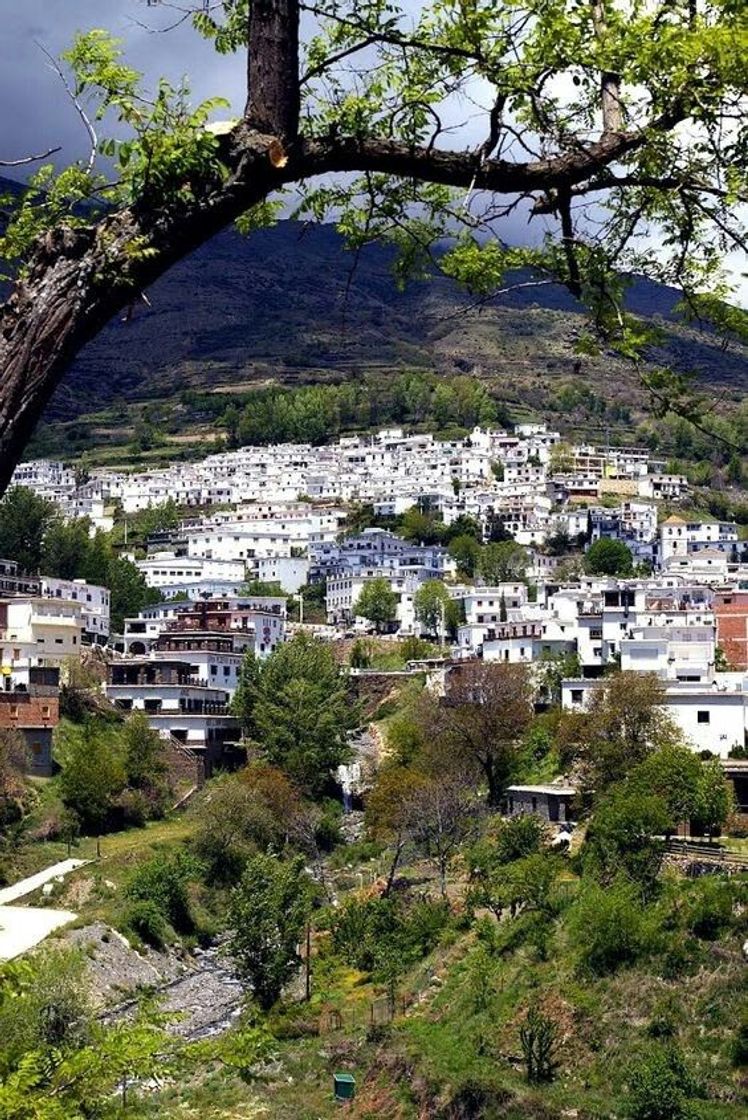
378	1012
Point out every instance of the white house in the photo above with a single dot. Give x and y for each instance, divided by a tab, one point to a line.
95	603
39	631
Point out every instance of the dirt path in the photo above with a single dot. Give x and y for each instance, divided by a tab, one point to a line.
33	882
23	927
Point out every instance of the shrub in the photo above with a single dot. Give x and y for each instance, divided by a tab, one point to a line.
740	1042
365	930
610	927
164	881
327	831
538	1038
660	1085
147	921
709	908
51	1007
425	922
135	808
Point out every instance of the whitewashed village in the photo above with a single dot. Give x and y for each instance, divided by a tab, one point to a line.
264	531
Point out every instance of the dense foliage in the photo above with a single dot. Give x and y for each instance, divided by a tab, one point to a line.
321	412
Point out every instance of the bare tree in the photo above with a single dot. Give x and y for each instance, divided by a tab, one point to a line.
647	141
444	814
487	709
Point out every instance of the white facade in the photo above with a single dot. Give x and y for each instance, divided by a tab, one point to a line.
713	717
164	569
95	603
39	631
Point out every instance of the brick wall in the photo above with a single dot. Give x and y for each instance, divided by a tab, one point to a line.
731	613
35	717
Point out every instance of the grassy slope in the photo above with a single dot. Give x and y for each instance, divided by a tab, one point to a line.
457	1040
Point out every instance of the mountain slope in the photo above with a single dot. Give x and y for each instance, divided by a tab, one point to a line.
289	305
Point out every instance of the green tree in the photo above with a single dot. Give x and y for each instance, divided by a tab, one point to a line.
93	774
302	714
65	546
14	790
69	1082
554	668
672	773
661	1086
238	814
145	761
422	528
129	592
626	721
25	518
51	1008
435	609
245	696
624	837
164	883
377	602
269	909
502	562
607	557
735	470
714	799
487	711
609	926
465	551
562	456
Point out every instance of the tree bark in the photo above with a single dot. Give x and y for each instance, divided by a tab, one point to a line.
274	102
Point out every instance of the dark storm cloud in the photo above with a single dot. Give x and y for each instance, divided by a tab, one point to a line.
35	112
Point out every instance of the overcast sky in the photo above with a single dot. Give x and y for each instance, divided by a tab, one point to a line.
36	114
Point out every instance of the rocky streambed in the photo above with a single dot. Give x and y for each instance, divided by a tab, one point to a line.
199	987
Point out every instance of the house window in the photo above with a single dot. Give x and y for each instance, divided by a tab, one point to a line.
702	717
576	695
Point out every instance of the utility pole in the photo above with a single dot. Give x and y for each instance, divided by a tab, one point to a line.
300	597
308	976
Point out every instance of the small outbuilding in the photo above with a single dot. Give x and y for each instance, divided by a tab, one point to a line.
551	803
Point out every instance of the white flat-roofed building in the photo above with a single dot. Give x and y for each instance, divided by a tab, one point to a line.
95	603
164	569
712	716
679	538
39	631
177	704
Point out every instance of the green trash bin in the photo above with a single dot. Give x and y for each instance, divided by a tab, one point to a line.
344	1085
